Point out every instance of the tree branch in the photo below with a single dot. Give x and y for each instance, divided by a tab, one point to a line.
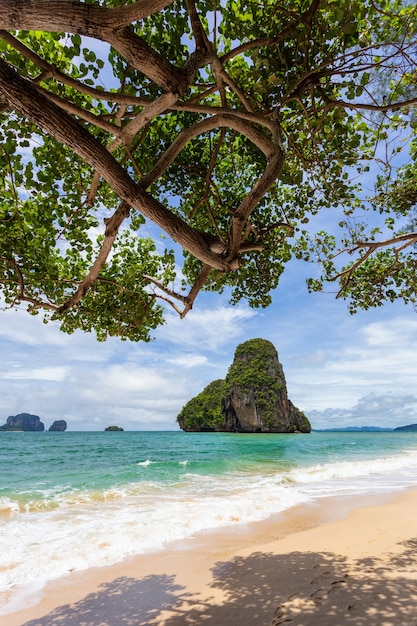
188	300
72	16
217	121
408	238
112	228
23	97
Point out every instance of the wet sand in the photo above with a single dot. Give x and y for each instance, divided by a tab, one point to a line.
341	561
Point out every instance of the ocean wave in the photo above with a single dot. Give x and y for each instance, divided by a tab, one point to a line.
47	532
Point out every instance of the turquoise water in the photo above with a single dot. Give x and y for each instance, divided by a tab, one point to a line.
69	501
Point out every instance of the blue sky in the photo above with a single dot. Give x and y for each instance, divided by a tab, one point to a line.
341	370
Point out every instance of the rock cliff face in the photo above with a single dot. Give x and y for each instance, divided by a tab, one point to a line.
23	421
253	398
257	399
58	426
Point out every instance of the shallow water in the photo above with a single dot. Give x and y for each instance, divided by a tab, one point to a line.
70	501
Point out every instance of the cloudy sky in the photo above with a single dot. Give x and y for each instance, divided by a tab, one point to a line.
341	370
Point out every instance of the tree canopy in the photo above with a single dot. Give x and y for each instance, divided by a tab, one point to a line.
224	127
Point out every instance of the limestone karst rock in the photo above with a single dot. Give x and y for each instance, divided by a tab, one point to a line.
23	421
58	426
252	398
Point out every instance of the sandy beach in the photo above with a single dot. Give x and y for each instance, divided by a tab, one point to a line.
339	561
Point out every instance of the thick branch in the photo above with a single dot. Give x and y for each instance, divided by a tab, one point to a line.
250	201
74	17
22	96
145	59
111	25
217	121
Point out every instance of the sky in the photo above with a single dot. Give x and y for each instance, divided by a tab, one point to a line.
341	370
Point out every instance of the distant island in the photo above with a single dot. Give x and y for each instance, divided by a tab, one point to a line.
59	426
26	422
350	429
114	428
252	398
366	429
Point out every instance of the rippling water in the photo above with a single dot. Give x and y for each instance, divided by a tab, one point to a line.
69	501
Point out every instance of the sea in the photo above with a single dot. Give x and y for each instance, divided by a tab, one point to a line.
75	500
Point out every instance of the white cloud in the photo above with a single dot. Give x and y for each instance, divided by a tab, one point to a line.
388	410
188	360
40	373
209	328
378	358
330	359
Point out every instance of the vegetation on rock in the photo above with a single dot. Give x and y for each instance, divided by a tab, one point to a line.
252	398
226	127
204	412
114	428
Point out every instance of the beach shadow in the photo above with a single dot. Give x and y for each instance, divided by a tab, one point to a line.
310	589
122	602
263	589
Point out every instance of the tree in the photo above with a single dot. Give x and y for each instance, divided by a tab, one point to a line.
224	126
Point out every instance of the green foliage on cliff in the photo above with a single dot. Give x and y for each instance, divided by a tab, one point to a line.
252	398
205	410
251	371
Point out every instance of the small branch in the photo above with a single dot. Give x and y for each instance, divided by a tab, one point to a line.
169	292
20	296
199	33
188	300
112	228
195	289
51	71
18	271
223	75
79	112
408	238
382	108
155	108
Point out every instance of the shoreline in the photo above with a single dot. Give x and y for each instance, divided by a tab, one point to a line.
337	560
